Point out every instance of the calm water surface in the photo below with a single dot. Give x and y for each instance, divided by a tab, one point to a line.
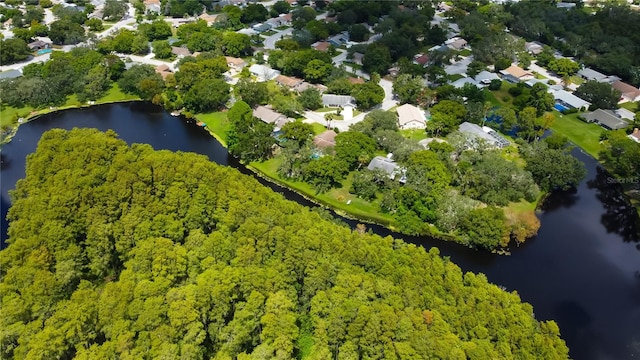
582	270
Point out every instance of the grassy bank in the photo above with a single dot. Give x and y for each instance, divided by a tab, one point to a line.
339	198
9	115
217	124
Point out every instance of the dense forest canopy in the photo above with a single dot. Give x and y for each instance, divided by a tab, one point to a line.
126	252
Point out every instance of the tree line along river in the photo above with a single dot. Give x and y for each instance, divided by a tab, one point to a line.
582	270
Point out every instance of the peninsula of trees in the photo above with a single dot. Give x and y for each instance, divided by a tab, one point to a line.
130	253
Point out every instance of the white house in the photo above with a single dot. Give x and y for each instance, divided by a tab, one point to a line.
263	72
410	117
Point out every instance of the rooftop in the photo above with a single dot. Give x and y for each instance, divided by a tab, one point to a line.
568	98
606	118
381	162
516	71
408	113
325	139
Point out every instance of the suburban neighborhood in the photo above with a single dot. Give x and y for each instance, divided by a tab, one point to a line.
334	95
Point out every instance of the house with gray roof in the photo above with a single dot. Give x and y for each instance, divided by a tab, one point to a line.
389	166
605	118
483	133
460	83
590	74
569	100
10	74
331	100
485	77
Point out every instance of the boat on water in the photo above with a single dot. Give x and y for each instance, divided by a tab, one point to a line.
175	113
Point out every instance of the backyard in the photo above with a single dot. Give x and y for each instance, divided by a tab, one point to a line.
584	135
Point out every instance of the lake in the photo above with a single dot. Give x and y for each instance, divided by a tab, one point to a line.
582	270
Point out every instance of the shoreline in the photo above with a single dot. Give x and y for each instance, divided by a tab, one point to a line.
340	211
38	113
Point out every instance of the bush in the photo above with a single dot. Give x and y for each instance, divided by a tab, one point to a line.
495	84
515	91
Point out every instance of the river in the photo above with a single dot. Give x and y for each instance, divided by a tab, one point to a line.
582	270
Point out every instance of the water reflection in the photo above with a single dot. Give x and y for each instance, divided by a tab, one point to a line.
559	200
620	217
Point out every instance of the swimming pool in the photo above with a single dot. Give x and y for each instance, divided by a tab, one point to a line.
43	51
560	107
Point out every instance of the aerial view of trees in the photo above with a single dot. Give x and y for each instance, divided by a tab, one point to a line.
138	253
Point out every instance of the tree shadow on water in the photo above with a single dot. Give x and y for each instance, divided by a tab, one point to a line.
620	216
559	199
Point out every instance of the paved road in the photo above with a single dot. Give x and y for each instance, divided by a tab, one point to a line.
270	41
342	125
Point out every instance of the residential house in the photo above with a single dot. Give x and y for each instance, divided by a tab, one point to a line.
444	7
394	71
339	39
484	133
625	114
163	70
261	27
515	74
605	118
282	20
565	5
331	100
567	100
355	81
263	72
411	117
180	51
305	85
234	63
533	47
635	135
152	6
389	166
485	77
456	43
421	59
10	74
38	45
591	75
271	117
531	82
321	46
460	83
357	58
210	19
629	93
288	81
325	140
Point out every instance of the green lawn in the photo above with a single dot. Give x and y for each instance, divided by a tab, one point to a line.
497	97
318	128
336	198
217	124
585	135
9	115
115	94
414	134
575	79
464	52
